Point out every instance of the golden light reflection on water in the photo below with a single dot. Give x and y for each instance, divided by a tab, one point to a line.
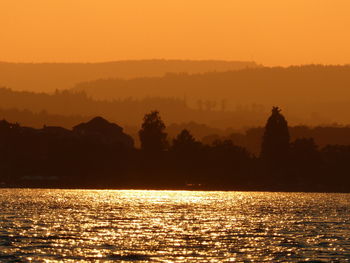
172	226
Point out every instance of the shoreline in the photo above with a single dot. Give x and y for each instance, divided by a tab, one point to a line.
179	189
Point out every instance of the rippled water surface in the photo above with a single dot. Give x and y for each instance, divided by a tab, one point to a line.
173	226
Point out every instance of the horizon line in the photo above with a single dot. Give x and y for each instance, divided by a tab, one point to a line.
257	64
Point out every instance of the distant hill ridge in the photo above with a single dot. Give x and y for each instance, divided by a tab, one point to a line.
247	85
47	77
316	89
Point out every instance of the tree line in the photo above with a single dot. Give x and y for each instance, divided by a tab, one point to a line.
98	154
249	138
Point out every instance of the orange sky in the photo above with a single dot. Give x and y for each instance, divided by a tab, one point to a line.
271	32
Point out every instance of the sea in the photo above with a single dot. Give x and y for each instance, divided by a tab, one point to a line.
53	225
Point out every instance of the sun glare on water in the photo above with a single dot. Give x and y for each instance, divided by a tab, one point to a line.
172	226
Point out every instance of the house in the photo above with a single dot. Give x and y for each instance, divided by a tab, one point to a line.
104	131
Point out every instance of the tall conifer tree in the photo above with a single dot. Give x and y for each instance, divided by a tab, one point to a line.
275	144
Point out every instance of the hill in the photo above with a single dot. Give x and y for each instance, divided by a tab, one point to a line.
128	111
315	93
47	77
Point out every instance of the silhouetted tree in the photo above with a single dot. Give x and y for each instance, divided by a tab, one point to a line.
337	169
227	161
305	161
152	135
275	144
185	142
304	149
187	155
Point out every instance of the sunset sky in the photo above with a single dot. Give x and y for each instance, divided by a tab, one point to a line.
270	32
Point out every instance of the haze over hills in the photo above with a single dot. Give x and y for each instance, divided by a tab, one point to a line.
310	95
317	93
47	77
127	111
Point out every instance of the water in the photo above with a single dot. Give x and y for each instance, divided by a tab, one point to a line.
172	226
